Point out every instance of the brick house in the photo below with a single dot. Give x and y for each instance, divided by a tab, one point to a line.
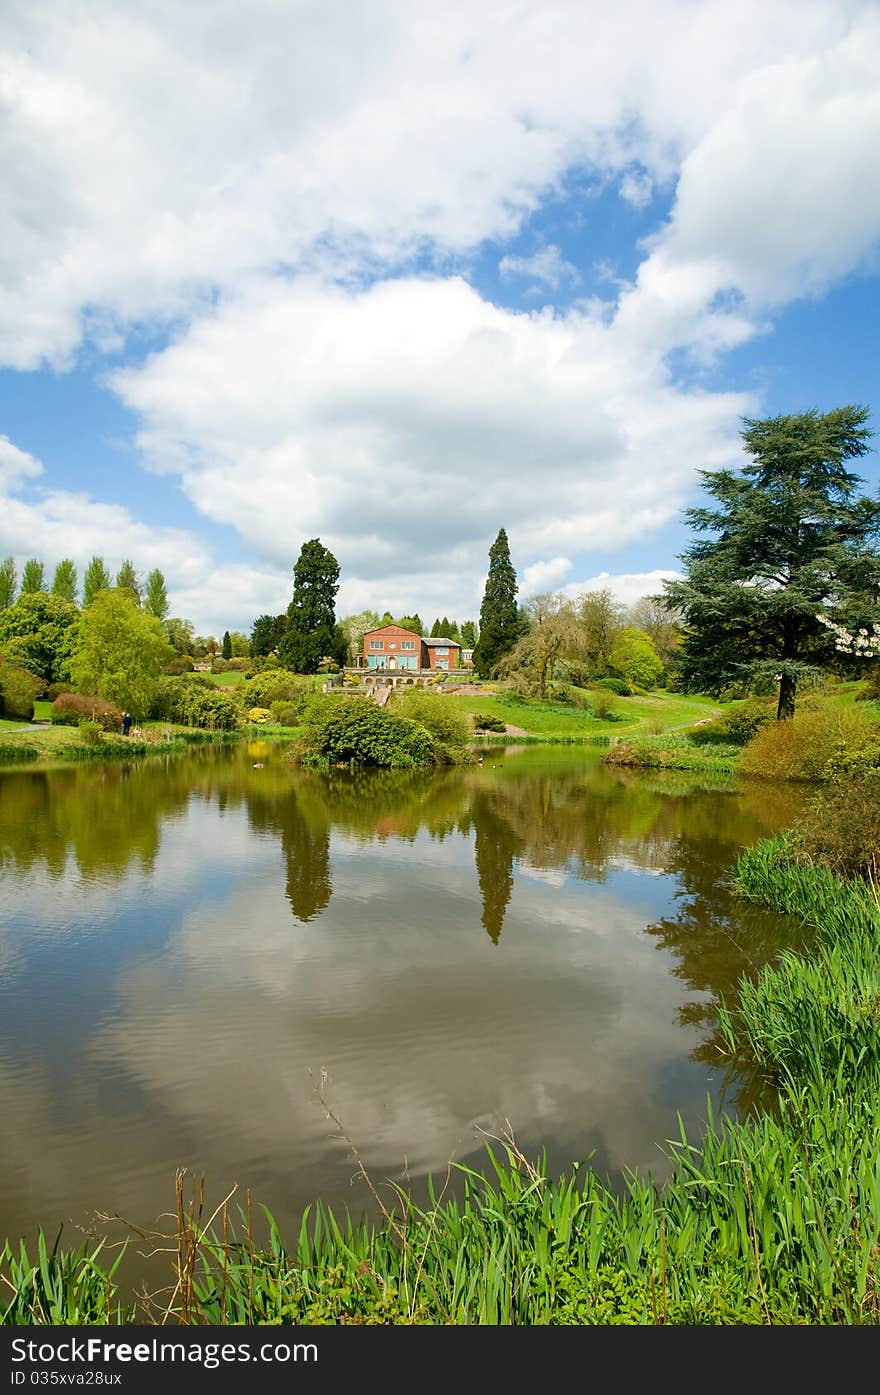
394	648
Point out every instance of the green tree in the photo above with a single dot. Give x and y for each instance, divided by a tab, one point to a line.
180	634
412	622
499	624
241	645
156	598
120	651
32	578
353	629
8	582
634	657
554	634
64	580
311	616
387	619
469	634
790	538
127	579
227	645
38	633
601	617
436	629
652	614
267	633
97	578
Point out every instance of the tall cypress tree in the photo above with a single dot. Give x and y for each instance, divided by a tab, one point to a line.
227	645
311	616
499	625
64	580
97	578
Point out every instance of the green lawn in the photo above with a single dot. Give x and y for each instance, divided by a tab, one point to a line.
658	710
230	679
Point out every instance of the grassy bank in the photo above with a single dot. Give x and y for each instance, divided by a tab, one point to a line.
59	745
770	1220
673	752
553	720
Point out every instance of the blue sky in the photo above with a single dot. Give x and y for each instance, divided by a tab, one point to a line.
397	276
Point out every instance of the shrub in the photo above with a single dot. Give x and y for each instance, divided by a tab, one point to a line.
871	691
286	714
70	709
91	733
220	665
356	731
274	685
603	705
813	745
204	706
239	664
55	690
620	686
18	690
736	727
449	727
181	664
258	716
573	671
484	721
841	828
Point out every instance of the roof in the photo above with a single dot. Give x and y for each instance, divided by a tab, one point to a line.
398	628
449	643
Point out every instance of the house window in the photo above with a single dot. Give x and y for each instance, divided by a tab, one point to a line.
442	663
441	651
407	644
377	644
392	644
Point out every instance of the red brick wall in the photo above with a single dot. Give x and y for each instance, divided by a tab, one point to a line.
391	635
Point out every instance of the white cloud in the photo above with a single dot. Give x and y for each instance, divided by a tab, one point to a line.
544	576
627	587
406	422
637	188
548	266
154	152
16	465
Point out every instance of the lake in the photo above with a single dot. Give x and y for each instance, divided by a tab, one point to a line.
186	945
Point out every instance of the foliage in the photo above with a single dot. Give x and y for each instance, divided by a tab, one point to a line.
97	578
602	704
653	615
499	619
275	685
484	721
8	582
194	702
789	533
349	730
286	714
18	691
182	663
156	596
841	828
620	686
127	579
258	716
600	616
227	645
180	635
672	751
64	580
120	651
449	728
267	633
312	633
70	709
413	623
353	628
634	657
735	727
58	1287
90	733
55	690
469	634
813	745
38	633
555	634
32	578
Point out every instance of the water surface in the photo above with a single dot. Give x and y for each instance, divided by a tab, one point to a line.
186	945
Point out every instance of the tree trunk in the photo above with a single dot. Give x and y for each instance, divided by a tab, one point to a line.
787	690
